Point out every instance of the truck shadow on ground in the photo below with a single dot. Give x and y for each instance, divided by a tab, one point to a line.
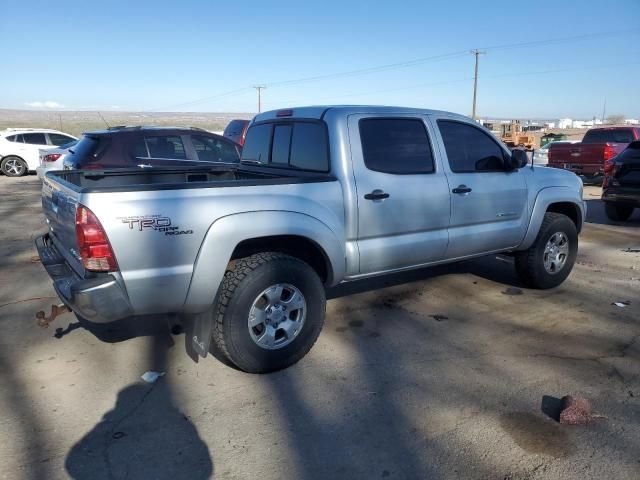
497	269
596	214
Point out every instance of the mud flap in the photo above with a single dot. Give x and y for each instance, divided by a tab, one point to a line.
201	329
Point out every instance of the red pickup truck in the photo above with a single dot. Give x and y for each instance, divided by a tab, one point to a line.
598	145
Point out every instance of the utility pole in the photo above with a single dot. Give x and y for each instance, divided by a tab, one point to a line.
477	54
604	109
259	88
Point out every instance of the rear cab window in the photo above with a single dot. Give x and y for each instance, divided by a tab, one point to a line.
618	135
295	144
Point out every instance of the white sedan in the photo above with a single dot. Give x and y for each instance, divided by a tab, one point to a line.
20	148
53	158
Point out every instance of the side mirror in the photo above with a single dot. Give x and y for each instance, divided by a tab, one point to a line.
518	159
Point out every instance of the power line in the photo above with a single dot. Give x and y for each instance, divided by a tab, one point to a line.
403	64
470	79
446	56
203	100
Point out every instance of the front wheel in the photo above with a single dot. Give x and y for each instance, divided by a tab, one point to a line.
13	166
617	213
269	312
548	262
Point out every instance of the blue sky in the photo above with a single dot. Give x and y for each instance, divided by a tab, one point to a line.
183	56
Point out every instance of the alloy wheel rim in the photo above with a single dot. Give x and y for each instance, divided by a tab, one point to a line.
556	253
277	316
13	167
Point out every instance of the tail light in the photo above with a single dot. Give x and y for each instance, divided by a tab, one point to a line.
93	245
609	152
609	165
51	157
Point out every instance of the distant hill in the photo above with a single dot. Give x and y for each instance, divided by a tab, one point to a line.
76	122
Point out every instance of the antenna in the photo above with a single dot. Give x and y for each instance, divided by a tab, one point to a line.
105	122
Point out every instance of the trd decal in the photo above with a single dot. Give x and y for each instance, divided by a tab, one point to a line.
158	223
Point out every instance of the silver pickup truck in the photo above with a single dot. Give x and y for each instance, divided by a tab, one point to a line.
323	195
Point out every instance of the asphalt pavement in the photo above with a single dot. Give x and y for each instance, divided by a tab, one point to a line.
452	372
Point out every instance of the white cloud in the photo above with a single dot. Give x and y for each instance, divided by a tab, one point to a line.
45	104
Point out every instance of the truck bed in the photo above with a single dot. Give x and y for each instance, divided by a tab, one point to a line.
126	180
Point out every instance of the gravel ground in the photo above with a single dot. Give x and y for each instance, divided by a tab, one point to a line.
438	373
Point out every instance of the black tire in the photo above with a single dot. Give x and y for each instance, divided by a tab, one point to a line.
617	213
9	165
241	285
530	263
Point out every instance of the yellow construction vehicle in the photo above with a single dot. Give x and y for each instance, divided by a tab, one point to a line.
512	136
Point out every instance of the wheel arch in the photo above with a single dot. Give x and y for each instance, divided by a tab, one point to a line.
558	200
239	235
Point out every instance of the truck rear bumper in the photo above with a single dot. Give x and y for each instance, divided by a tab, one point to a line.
626	196
99	299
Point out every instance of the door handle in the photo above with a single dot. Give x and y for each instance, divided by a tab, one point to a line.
461	189
377	194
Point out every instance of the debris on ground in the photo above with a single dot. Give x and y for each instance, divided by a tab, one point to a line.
622	304
512	291
151	377
35	259
439	318
575	411
631	250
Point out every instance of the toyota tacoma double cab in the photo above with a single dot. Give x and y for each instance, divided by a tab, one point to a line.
322	195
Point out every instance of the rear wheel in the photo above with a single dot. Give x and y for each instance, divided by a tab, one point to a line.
13	166
618	213
269	312
548	262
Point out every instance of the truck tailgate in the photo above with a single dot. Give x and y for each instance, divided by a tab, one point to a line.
59	207
581	158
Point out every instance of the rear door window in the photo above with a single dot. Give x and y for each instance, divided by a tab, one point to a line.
34	138
170	147
470	149
212	149
396	145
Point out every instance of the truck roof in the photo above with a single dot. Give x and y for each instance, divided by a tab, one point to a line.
319	111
